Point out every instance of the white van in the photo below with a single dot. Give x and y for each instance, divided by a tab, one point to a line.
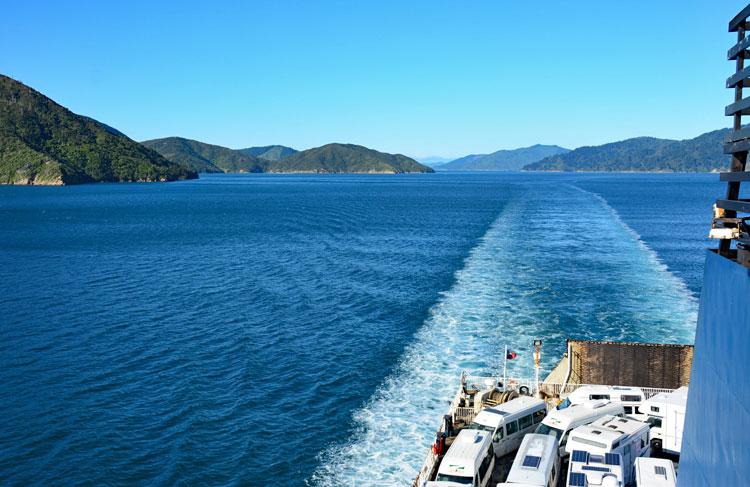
631	398
469	461
654	472
666	416
612	434
537	463
510	421
559	422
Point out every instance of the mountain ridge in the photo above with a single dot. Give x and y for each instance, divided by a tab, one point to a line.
503	159
703	153
44	143
348	158
204	157
269	152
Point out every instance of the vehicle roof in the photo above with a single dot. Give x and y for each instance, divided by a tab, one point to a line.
461	457
626	426
492	416
444	483
564	417
533	471
647	473
588	432
677	397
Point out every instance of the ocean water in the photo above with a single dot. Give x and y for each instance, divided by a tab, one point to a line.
293	330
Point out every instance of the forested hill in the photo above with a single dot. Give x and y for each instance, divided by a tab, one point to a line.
503	160
347	158
701	154
42	142
204	157
269	152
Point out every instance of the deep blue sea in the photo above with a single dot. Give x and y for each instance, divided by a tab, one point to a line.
292	330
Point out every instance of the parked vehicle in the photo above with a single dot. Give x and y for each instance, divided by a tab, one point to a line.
510	421
631	398
666	416
469	461
560	422
587	470
537	463
655	472
611	434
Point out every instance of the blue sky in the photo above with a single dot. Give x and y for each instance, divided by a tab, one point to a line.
420	78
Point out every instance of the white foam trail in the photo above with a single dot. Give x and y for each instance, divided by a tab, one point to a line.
679	287
511	290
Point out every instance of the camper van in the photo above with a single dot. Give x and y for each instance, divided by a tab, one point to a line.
631	398
510	421
559	422
612	434
666	416
537	463
469	461
654	472
587	470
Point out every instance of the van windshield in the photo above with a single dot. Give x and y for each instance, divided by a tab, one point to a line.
441	477
543	429
481	427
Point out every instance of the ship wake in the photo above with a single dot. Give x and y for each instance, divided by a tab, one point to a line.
557	262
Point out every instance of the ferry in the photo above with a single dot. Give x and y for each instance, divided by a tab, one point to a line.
645	420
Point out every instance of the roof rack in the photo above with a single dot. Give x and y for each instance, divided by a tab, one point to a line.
726	225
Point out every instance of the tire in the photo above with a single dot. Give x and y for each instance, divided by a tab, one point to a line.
523	390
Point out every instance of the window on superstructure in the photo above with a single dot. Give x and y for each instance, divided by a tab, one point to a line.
525	422
511	427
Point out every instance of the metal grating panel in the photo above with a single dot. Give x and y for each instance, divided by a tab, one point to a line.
658	470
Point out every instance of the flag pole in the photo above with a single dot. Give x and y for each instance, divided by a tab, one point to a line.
505	368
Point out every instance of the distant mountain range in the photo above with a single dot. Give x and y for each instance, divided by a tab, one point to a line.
347	158
44	143
700	154
434	161
503	160
203	157
331	158
269	152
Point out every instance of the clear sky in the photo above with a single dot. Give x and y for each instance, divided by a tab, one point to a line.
415	77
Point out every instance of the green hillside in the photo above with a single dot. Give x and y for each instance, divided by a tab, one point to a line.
503	160
42	142
347	158
203	157
701	154
269	152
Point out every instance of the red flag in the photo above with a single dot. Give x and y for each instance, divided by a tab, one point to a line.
511	355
